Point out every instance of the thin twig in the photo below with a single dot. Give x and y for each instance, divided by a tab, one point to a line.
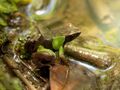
29	85
11	64
33	72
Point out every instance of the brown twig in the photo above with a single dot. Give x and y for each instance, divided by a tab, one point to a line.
11	64
33	72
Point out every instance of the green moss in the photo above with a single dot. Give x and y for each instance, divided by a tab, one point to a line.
7	81
7	7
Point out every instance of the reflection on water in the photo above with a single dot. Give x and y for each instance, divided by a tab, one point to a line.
48	9
92	68
106	15
44	9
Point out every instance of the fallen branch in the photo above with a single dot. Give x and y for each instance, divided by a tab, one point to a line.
13	65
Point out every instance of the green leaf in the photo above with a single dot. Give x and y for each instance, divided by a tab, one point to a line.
7	7
58	41
2	87
14	1
61	51
3	22
41	49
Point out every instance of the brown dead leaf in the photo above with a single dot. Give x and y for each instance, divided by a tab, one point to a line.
74	77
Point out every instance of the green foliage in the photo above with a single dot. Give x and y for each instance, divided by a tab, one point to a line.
7	7
19	47
41	49
58	41
7	82
2	87
2	22
61	51
14	1
3	37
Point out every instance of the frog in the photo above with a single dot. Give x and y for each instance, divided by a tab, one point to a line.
86	48
33	50
76	48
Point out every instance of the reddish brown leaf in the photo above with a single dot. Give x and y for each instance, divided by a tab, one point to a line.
74	77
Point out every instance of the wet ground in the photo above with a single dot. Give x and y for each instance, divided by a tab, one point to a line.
94	56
